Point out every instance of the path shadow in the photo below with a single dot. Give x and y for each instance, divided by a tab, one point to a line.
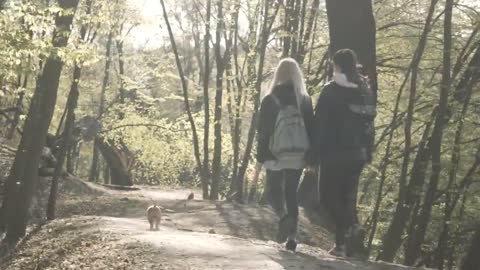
258	219
299	260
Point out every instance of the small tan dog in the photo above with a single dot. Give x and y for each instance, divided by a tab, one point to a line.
154	216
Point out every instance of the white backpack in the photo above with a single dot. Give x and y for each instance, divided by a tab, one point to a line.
289	140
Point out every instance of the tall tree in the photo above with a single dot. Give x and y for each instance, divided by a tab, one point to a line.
220	62
67	136
205	172
309	31
119	44
416	240
23	176
295	27
287	27
452	196
255	83
392	238
94	170
238	98
183	81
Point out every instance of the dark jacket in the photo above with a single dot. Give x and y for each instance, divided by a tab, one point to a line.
337	131
268	116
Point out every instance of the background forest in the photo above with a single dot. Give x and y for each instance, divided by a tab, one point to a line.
166	93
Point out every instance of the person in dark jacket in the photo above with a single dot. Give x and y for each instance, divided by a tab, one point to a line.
283	176
343	143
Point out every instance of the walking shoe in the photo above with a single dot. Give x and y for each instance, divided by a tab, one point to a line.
291	245
292	228
338	251
355	241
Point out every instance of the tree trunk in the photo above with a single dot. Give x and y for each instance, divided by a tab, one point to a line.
472	72
393	237
466	52
18	109
236	136
22	180
415	246
237	184
302	14
66	142
443	245
198	53
117	158
205	172
375	214
72	157
196	148
295	21
106	175
94	171
121	72
220	61
230	88
352	25
414	186
466	88
309	31
418	173
257	83
287	40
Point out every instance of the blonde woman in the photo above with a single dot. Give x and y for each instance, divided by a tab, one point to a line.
284	136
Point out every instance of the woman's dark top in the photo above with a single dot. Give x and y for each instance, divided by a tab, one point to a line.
339	133
268	117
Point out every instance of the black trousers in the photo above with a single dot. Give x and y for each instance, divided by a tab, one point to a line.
338	191
277	195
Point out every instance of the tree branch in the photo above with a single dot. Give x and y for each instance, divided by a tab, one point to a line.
140	125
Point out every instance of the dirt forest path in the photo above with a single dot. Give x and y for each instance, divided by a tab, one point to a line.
202	236
202	251
194	250
184	240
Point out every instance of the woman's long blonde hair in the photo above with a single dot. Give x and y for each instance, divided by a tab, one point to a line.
288	70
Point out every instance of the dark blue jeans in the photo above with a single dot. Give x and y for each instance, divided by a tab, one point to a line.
338	193
282	189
